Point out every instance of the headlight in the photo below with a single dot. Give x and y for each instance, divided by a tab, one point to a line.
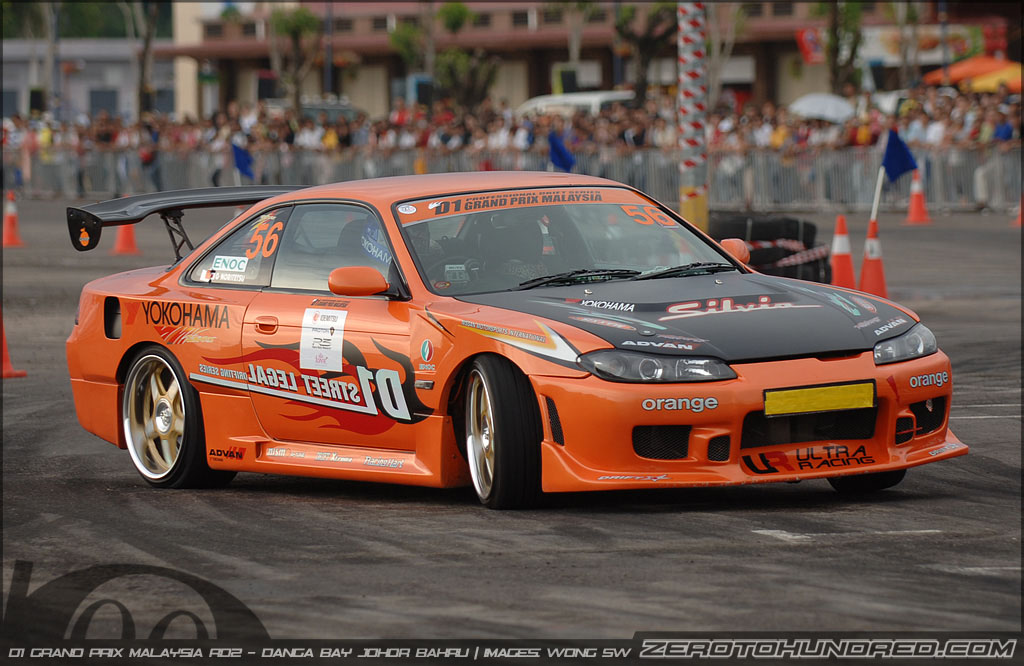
915	343
624	366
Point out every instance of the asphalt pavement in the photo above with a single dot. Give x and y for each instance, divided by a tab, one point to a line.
317	558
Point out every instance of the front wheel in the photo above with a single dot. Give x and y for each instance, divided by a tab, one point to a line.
163	426
503	434
867	483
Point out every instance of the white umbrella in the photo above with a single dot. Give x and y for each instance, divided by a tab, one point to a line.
823	106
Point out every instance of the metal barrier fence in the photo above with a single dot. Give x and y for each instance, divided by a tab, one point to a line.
829	180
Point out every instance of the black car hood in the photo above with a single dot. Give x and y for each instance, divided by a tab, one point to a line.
731	316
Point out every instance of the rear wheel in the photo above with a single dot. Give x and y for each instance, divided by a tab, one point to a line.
867	483
502	435
163	426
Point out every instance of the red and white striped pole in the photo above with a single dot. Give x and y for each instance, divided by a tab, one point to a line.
691	98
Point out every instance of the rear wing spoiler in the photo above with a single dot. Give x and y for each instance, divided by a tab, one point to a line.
86	223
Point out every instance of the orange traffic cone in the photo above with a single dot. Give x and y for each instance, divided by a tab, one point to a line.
918	213
125	243
8	370
872	273
11	237
1016	223
842	260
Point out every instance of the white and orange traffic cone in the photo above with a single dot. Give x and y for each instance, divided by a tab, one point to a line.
8	369
918	213
11	237
872	272
842	259
125	243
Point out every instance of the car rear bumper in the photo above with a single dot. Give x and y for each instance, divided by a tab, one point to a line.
604	435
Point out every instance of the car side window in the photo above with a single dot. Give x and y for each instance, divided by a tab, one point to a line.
245	257
324	236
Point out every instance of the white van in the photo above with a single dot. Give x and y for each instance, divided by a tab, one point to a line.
568	104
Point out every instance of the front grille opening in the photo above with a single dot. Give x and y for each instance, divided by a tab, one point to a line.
555	422
718	449
758	430
904	429
930	414
662	442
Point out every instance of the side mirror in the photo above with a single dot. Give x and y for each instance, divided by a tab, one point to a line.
356	281
737	248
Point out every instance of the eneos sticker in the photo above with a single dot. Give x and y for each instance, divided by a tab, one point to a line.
230	264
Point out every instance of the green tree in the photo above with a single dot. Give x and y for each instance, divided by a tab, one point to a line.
906	17
23	20
231	14
656	33
466	77
301	28
576	15
725	21
140	20
81	19
408	40
454	16
842	41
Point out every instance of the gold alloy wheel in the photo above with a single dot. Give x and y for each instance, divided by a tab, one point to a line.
154	416
480	435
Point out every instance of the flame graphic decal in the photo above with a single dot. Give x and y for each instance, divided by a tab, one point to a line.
365	424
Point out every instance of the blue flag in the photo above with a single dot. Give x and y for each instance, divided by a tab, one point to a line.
560	155
897	160
243	161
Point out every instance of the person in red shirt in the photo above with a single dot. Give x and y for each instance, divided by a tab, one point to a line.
400	114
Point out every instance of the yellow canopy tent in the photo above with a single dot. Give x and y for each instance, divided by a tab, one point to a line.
969	68
1010	75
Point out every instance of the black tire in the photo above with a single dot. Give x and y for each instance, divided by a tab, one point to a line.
861	484
513	434
163	424
761	227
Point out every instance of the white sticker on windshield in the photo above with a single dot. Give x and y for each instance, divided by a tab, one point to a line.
456	273
323	334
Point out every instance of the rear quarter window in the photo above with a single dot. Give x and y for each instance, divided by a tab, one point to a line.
245	256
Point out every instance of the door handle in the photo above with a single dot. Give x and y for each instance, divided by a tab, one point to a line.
266	324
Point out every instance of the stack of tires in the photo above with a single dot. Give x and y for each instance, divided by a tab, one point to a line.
773	239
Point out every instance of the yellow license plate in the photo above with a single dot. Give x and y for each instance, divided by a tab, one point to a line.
783	402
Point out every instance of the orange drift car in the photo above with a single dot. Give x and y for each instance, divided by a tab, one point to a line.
523	332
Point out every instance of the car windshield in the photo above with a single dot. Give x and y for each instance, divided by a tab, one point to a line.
494	241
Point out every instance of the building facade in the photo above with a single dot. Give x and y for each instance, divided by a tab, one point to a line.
94	75
220	59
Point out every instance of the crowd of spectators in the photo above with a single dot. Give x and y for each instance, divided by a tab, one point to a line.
926	117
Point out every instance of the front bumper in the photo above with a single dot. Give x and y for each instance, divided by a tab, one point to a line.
597	433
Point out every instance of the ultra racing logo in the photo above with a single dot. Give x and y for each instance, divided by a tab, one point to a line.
810	458
550	346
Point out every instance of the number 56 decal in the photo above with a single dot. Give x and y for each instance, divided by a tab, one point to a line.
648	215
264	244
